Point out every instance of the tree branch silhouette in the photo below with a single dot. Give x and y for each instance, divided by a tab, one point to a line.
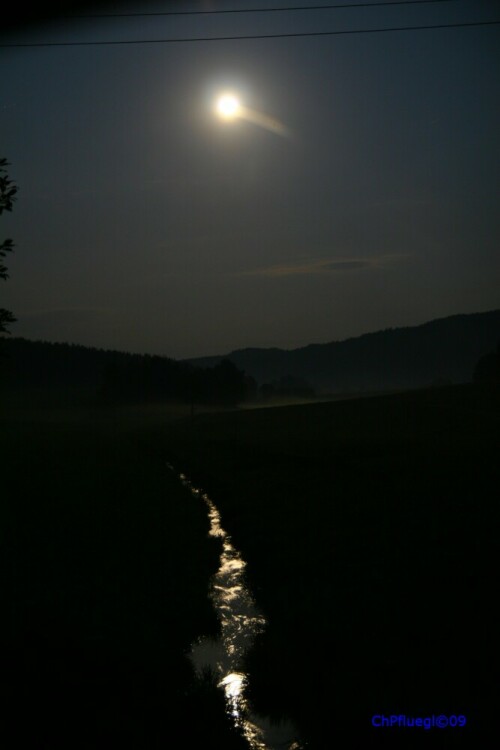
8	191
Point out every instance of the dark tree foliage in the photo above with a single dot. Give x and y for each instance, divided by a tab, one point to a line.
225	384
8	192
119	377
487	370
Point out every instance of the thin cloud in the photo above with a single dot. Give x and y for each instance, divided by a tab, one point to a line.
319	267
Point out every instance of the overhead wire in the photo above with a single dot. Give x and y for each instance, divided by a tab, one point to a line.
180	40
286	9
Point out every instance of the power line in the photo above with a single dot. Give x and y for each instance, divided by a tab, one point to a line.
254	36
259	10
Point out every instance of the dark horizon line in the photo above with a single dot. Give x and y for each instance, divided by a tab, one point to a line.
248	348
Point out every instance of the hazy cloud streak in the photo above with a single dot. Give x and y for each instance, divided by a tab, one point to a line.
263	121
322	266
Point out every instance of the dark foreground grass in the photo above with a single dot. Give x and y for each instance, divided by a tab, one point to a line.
105	567
370	529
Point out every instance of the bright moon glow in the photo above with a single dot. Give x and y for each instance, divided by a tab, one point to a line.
228	106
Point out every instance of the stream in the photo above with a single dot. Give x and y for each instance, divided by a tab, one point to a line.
240	622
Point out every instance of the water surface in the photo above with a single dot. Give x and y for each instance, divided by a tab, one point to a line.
240	622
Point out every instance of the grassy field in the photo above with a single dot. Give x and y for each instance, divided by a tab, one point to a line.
369	529
105	574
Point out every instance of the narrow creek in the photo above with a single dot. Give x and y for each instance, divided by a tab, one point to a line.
240	622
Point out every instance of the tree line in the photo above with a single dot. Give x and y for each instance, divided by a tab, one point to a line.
118	377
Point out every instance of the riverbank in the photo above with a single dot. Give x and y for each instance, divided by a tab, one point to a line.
368	531
106	567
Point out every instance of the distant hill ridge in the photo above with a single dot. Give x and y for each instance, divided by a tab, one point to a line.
441	350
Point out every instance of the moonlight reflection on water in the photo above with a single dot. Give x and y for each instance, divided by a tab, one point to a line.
240	623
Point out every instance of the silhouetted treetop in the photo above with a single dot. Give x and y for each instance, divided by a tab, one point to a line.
8	192
487	370
119	377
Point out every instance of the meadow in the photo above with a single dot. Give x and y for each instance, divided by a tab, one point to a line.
368	526
105	568
369	529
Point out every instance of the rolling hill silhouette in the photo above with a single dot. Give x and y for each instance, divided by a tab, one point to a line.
445	350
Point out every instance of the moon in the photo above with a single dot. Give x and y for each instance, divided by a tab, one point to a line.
228	106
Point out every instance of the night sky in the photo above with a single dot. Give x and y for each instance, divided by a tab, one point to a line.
145	223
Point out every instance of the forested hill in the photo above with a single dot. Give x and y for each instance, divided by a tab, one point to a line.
38	367
440	351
